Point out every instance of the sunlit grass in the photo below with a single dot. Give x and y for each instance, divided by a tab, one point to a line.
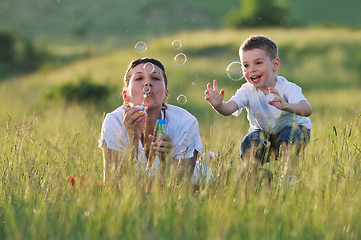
323	203
42	142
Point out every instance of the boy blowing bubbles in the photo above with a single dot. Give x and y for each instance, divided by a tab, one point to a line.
276	108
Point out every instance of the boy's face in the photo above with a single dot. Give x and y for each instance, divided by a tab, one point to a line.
259	69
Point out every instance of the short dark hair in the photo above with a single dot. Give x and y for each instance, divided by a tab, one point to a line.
261	42
138	61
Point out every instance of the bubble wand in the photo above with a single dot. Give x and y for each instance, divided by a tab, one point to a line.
146	90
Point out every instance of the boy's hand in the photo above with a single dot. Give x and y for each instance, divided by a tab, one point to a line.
214	97
277	101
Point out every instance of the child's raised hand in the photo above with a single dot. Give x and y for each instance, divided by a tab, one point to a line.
214	97
277	101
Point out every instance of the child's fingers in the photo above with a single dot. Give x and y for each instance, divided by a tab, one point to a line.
273	103
273	91
209	89
215	87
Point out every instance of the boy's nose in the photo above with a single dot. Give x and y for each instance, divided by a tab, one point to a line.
251	68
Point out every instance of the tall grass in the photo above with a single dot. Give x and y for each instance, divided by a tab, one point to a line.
37	202
43	141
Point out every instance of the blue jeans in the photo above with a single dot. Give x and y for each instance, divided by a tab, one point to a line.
264	144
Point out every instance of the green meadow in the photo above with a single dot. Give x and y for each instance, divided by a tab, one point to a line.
44	140
46	136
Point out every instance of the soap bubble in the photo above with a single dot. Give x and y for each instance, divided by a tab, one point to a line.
148	67
180	59
182	99
177	44
234	71
140	47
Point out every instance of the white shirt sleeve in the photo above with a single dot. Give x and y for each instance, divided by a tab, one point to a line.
113	133
293	93
241	98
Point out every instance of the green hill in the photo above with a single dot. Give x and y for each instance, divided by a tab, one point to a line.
122	20
127	20
333	12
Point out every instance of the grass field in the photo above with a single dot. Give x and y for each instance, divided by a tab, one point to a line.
43	141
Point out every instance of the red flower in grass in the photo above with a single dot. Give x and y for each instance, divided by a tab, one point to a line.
79	181
71	181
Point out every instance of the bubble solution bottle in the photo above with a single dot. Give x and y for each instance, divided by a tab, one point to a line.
161	123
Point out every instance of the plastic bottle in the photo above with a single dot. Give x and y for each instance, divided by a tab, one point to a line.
161	123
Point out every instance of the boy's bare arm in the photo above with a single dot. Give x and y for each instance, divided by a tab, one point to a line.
215	98
303	108
226	108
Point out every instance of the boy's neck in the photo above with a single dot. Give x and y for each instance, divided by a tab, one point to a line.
265	89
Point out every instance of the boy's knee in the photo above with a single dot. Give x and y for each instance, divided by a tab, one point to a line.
249	144
254	146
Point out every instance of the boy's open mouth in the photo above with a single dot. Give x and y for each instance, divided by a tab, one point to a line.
255	78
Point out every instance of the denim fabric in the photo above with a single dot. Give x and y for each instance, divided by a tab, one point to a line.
265	144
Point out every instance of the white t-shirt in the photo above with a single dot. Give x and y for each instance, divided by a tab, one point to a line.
181	126
261	115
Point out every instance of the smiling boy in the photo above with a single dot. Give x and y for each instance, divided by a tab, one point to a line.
276	108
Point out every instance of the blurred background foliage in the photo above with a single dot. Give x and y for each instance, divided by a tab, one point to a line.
39	33
57	38
259	13
82	89
126	20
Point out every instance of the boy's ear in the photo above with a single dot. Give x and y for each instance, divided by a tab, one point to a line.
276	64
